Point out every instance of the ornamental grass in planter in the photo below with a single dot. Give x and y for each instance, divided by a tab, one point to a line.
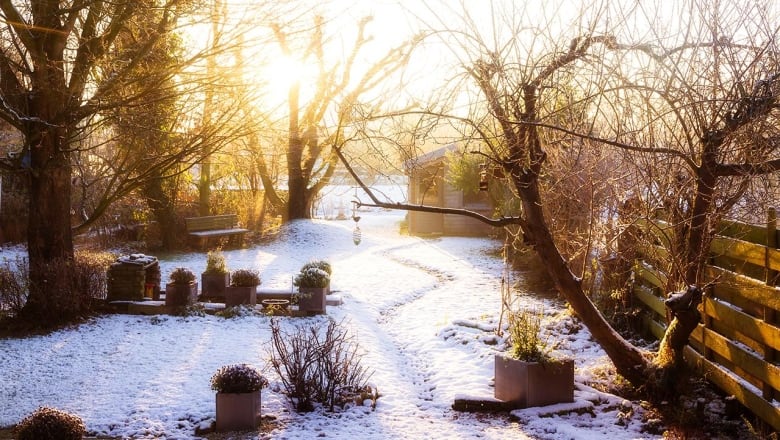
243	288
215	278
50	424
182	290
238	389
313	282
529	376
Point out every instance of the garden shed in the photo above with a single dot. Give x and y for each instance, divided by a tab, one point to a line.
429	185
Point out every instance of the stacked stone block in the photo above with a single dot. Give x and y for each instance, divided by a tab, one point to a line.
129	276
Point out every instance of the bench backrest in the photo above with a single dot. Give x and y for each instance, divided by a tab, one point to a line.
210	222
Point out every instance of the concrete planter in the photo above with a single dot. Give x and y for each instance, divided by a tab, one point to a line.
525	384
238	412
312	300
178	295
213	286
237	295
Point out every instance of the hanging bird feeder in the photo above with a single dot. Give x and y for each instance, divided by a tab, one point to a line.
356	233
483	177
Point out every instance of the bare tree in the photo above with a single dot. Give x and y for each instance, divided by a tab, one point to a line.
52	55
318	126
716	125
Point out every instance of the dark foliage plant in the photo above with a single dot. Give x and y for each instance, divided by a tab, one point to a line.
182	275
238	378
312	277
50	424
245	278
318	264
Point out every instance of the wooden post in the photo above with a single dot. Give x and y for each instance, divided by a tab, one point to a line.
707	322
772	276
770	355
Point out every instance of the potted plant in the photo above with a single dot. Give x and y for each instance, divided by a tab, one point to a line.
238	396
529	375
50	424
313	283
182	290
215	278
322	265
243	288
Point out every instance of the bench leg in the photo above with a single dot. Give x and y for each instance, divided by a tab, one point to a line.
237	240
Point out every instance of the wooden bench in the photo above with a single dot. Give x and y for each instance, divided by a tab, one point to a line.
202	229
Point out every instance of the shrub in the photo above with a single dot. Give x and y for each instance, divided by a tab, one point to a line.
312	277
13	286
64	292
90	272
318	264
238	378
182	275
78	283
245	278
238	311
215	263
524	328
50	424
196	309
318	365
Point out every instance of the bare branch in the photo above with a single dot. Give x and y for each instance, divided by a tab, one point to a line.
497	222
621	145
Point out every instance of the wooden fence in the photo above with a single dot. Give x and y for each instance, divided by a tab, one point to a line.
737	343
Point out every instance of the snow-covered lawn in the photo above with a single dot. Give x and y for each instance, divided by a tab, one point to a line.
422	311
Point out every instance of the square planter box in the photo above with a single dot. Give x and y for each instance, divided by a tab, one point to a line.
527	384
177	295
213	286
238	412
312	299
235	295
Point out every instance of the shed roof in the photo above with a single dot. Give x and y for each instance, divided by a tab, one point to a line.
428	158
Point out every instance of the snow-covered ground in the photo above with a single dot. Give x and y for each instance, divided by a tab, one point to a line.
422	310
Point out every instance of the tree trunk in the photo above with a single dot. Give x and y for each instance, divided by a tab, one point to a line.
296	182
697	243
49	237
204	188
629	361
695	251
163	210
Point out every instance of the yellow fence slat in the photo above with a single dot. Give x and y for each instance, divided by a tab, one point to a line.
749	326
650	274
743	231
751	363
654	326
738	249
660	229
774	259
731	385
732	283
653	302
653	252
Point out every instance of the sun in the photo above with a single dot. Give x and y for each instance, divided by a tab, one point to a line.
282	73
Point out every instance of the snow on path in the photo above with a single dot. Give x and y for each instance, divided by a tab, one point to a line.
390	290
